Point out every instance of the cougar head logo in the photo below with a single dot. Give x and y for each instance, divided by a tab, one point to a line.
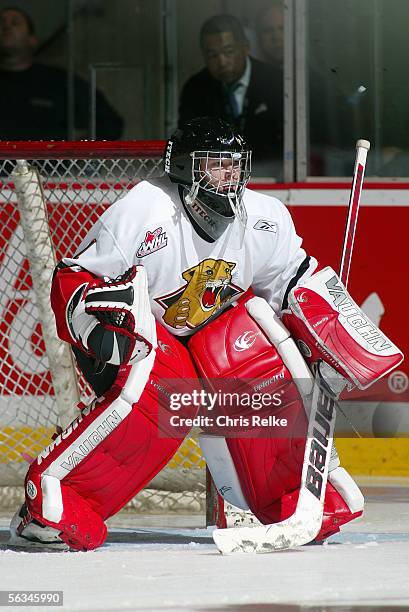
208	286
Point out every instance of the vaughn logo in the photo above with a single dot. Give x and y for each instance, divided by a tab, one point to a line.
245	341
154	241
266	226
355	317
74	452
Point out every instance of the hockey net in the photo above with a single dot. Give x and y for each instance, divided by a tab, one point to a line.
50	196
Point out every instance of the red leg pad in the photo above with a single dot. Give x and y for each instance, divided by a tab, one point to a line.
108	454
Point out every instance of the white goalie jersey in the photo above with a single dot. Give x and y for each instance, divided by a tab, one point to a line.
190	279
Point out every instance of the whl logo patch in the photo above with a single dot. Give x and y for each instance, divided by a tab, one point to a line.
154	241
245	341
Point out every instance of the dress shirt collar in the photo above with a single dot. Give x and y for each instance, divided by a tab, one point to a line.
245	77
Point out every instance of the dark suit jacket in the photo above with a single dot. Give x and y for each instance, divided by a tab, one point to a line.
261	122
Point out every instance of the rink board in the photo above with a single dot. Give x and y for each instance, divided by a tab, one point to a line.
319	211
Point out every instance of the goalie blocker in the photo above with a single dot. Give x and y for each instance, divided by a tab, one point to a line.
335	335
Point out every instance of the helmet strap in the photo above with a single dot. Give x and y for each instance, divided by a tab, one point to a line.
191	196
238	209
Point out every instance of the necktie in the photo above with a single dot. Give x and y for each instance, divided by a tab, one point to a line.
232	99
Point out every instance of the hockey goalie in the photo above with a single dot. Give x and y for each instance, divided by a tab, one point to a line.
193	276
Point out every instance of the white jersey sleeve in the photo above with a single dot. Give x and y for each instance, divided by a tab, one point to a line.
100	253
109	249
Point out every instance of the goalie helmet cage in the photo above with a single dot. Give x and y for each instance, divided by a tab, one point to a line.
51	193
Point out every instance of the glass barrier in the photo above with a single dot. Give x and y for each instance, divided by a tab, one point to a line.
356	55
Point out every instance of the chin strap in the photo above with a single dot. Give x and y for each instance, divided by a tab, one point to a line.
191	196
238	208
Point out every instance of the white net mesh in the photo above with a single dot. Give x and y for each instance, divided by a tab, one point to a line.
76	191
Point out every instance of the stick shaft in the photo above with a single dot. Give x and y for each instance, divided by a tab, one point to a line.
362	148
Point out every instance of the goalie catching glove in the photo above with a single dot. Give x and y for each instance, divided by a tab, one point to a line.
112	318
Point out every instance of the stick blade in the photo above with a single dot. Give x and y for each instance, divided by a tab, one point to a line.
300	528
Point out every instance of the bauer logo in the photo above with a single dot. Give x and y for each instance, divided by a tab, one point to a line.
31	489
319	444
167	156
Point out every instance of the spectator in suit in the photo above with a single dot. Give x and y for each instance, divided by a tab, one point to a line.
33	101
238	89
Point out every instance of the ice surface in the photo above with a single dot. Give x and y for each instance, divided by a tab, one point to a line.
179	568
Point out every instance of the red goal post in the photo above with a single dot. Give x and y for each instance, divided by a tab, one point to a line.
51	193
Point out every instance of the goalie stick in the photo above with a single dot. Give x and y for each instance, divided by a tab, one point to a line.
304	525
362	148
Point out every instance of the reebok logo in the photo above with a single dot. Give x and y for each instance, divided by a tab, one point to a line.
266	226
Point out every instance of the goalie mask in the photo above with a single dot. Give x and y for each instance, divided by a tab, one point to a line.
213	163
